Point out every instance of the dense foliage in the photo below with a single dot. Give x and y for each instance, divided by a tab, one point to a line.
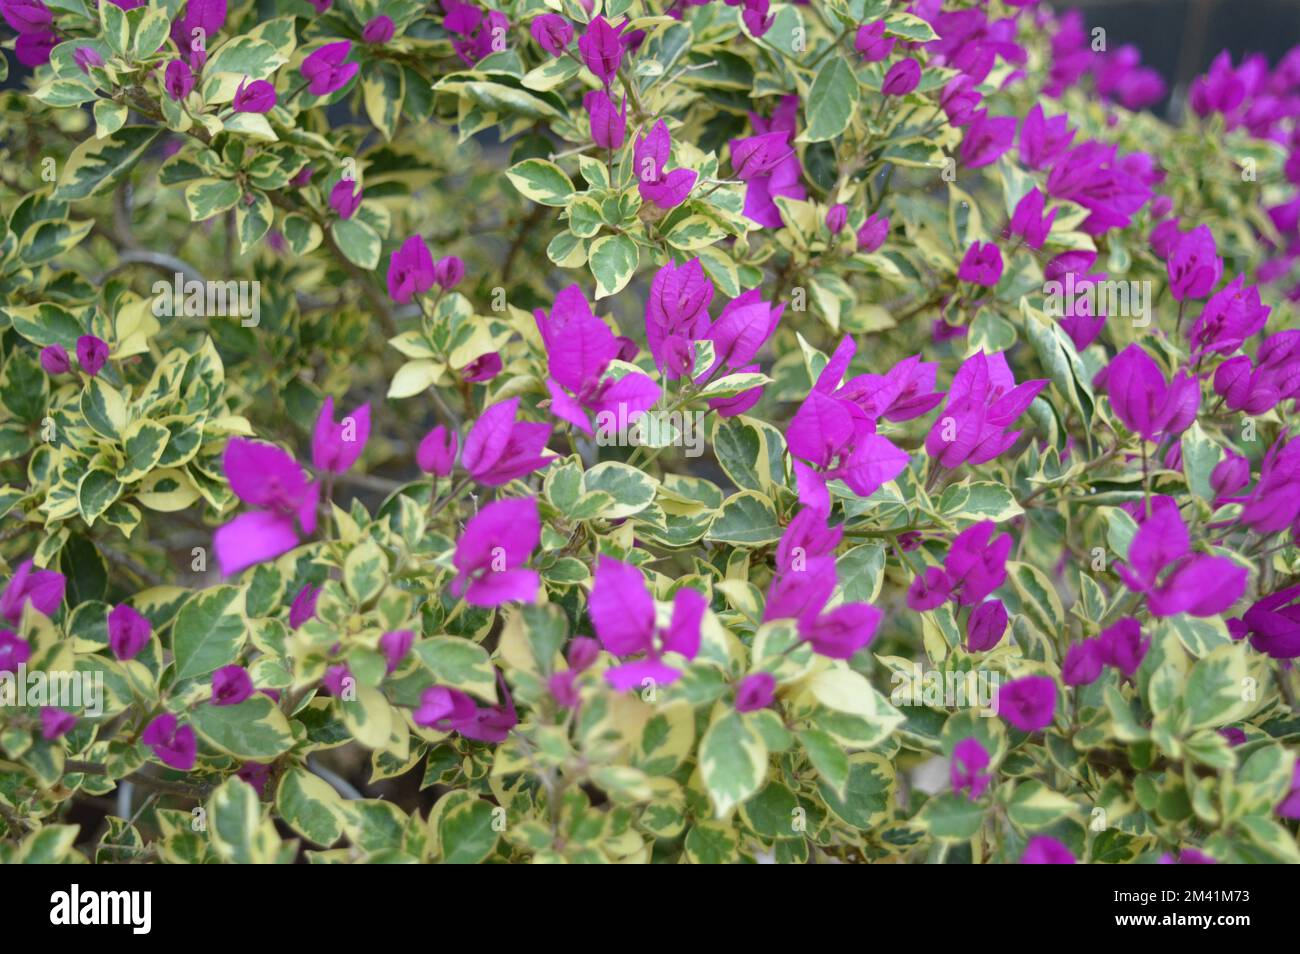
616	431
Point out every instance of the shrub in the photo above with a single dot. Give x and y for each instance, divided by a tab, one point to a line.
627	432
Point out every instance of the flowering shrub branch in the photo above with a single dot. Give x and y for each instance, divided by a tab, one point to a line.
614	431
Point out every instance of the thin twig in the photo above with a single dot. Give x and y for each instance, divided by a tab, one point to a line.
336	781
198	791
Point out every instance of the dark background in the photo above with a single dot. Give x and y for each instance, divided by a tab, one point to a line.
1177	37
1180	37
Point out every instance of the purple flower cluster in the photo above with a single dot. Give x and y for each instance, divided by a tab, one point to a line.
804	583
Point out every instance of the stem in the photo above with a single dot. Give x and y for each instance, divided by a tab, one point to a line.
528	226
633	95
721	182
933	477
198	792
834	44
1146	485
1272	550
938	296
451	495
903	558
12	820
880	534
884	188
1284	684
295	91
575	151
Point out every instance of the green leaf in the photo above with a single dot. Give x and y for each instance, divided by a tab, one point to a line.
975	502
543	182
832	100
871	718
461	664
280	32
861	572
144	442
747	519
1273	838
722	270
14	443
1260	783
952	817
828	758
357	241
254	729
109	117
869	795
613	260
96	491
741	449
584	216
666	740
301	233
64	92
368	716
104	408
992	332
310	806
1059	358
375	825
732	384
209	631
383	88
632	490
1120	530
787	32
1198	635
24	386
567	250
86	572
502	99
1038	597
46	324
711	843
773	812
253	220
1220	689
150	33
733	761
414	377
1200	455
365	572
909	27
115	28
1034	806
252	125
1124	724
244	56
49	845
695	232
124	517
236	827
466	832
205	198
98	164
554	72
52	239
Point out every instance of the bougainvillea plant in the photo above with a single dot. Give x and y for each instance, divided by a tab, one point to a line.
602	430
